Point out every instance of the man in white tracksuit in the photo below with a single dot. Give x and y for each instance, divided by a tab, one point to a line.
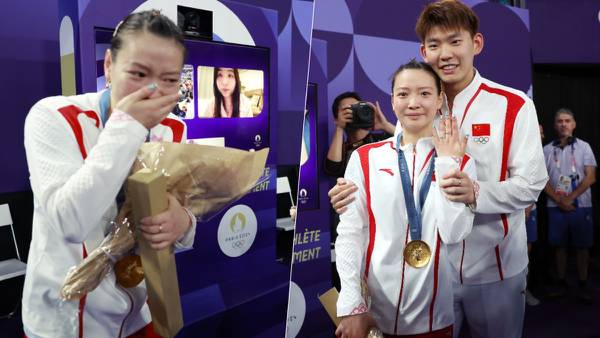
491	264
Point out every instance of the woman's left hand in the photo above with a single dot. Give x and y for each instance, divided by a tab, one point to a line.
451	142
164	229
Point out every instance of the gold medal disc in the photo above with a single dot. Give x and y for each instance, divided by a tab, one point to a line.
129	271
417	254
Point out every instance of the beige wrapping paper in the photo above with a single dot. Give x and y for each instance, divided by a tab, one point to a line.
208	177
329	300
203	178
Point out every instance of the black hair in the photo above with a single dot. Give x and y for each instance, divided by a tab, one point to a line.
235	96
151	21
564	110
336	102
414	64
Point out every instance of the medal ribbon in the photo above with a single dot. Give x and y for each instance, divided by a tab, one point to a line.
413	211
104	106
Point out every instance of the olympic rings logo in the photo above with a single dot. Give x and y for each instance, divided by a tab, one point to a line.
481	139
238	244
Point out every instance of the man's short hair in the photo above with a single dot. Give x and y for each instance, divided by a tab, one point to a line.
336	102
447	15
564	111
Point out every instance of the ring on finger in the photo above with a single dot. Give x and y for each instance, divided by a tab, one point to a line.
159	229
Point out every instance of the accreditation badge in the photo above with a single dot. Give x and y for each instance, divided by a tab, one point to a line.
417	254
563	187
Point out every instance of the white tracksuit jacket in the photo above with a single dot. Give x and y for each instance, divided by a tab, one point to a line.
504	141
373	233
74	200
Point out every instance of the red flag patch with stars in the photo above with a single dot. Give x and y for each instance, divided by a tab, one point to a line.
480	129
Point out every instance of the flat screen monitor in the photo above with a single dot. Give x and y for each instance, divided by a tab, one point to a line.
223	93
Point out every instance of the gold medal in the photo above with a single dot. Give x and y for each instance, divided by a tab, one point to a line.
129	271
417	254
375	332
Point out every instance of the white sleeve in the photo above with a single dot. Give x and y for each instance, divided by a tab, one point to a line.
350	245
588	156
454	219
527	174
73	193
187	239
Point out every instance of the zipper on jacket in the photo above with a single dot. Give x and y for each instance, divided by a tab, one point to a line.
401	287
462	258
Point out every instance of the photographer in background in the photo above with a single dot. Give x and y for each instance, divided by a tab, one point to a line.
357	119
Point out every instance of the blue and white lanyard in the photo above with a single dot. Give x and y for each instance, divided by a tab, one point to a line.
573	163
104	106
414	211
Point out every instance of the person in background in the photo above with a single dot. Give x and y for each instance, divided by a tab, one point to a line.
340	149
572	168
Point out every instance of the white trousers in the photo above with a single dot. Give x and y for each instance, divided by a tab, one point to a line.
491	310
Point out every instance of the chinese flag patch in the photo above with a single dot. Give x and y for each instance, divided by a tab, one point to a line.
481	129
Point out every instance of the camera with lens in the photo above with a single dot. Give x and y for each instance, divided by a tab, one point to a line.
362	115
195	23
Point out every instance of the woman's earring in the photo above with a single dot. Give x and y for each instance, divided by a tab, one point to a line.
108	84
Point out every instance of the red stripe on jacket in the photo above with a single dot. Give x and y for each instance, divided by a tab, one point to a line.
513	106
71	114
177	127
363	154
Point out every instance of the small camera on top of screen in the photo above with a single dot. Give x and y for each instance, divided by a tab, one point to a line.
362	115
195	23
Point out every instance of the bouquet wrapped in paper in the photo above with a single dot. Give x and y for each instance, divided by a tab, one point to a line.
203	178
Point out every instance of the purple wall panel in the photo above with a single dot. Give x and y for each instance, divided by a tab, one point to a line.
565	31
504	60
30	70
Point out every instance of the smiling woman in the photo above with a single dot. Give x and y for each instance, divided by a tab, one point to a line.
79	151
416	99
405	200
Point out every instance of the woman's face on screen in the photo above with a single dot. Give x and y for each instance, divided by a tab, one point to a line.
226	81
